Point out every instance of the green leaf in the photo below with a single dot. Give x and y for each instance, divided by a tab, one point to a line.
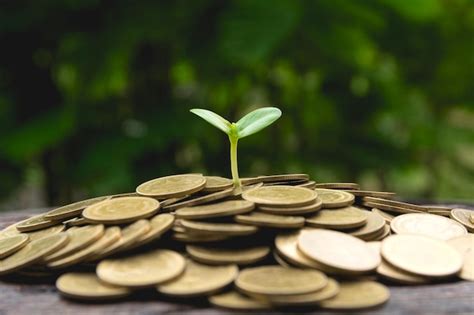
257	120
213	119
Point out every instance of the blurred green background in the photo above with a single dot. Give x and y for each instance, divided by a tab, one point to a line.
95	95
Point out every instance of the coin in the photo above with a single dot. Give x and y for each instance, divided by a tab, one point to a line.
309	184
387	216
159	224
237	301
87	286
356	295
427	224
78	239
76	222
270	220
421	255
37	222
463	216
72	210
390	208
219	256
198	238
281	196
371	193
346	186
465	246
375	224
338	219
111	235
220	228
217	183
12	244
395	203
394	274
380	235
198	279
280	260
337	250
121	210
313	207
221	209
172	186
33	252
142	270
36	235
277	280
283	177
200	200
335	198
444	213
471	218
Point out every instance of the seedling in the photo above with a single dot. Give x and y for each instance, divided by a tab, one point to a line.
251	123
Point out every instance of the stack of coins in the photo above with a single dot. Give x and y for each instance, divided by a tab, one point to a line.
279	241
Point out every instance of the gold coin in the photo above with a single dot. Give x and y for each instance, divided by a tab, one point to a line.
371	193
309	184
329	291
345	186
421	255
390	208
283	177
33	252
281	196
159	224
143	269
237	301
386	216
129	235
356	295
276	280
87	286
221	209
195	201
375	225
72	210
427	224
337	250
78	239
35	223
172	186
313	207
12	244
465	246
219	256
280	260
111	235
270	220
443	213
217	183
339	219
170	201
220	228
76	222
471	218
238	192
395	203
394	274
198	238
121	210
198	279
379	236
335	198
463	217
36	235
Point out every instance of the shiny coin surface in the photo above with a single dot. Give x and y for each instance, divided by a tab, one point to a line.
313	207
465	247
37	222
33	252
276	280
220	256
190	202
357	295
394	274
121	210
172	186
219	228
427	224
143	269
221	209
395	203
390	208
237	301
198	238
386	216
375	224
309	184
73	210
270	220
348	186
283	178
371	193
421	255
339	219
281	196
217	183
76	222
199	279
56	229
87	286
159	224
335	198
12	244
463	216
337	250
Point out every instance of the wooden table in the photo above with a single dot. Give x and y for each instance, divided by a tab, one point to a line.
40	297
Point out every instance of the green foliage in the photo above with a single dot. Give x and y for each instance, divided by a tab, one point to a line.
94	95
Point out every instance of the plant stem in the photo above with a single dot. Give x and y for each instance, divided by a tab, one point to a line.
233	161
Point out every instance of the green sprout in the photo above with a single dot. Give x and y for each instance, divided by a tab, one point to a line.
251	123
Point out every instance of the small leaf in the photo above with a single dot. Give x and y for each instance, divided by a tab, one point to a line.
213	119
257	120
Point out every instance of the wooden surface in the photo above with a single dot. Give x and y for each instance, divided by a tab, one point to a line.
28	296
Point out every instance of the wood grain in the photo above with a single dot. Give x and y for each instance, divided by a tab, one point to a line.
29	296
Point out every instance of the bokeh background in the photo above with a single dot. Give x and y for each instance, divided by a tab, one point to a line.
95	95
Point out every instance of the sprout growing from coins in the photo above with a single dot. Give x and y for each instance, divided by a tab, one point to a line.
251	123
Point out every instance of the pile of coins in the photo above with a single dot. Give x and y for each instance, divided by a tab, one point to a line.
279	241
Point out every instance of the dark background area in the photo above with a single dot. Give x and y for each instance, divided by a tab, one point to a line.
95	95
